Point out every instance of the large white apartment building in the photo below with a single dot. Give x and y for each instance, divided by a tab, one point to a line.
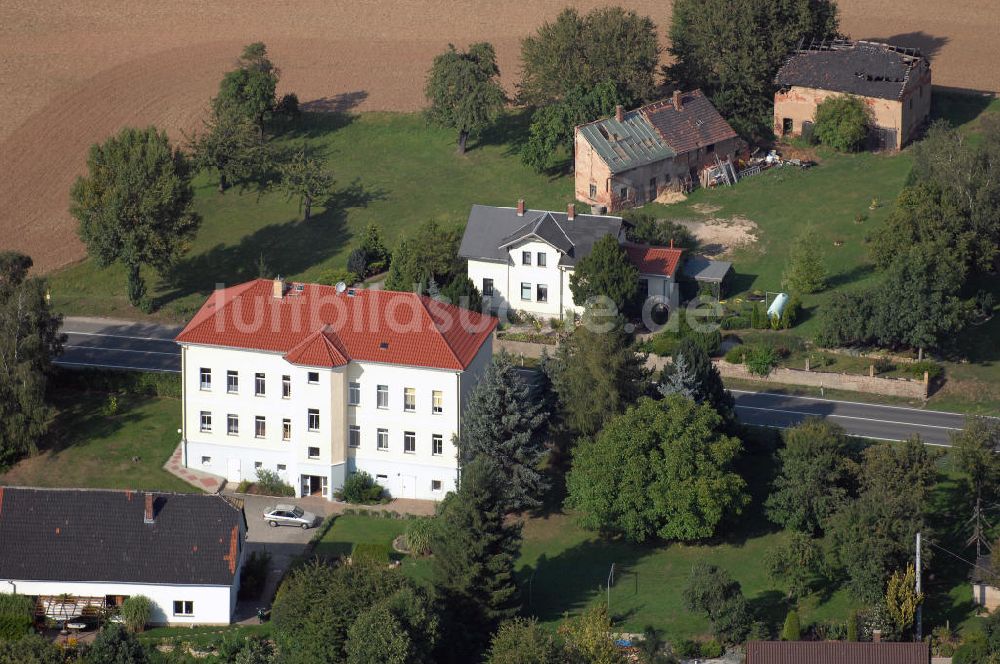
317	384
522	259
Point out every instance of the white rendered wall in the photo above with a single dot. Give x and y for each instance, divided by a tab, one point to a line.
550	276
497	271
213	605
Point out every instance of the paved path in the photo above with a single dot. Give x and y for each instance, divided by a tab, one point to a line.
205	481
114	344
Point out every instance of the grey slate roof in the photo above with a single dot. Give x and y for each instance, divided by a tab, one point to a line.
98	535
700	268
490	229
867	69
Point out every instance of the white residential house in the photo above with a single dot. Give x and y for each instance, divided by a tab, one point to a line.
316	384
81	552
522	259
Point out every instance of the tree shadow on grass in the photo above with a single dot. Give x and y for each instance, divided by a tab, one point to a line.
287	248
511	130
847	277
771	607
80	418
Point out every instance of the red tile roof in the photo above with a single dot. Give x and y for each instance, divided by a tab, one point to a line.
654	260
836	652
314	325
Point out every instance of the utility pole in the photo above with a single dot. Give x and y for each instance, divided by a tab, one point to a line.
919	631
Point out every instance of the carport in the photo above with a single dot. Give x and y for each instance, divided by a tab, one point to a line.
716	274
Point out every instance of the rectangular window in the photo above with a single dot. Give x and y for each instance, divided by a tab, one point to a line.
206	379
313	378
259	427
281	467
286	387
353	394
652	189
593	191
184	608
437	444
644	287
525	291
232	382
435	485
233	424
525	258
206	421
313	419
409	442
409	399
541	259
487	288
623	192
259	387
258	464
381	479
313	452
666	179
354	436
542	292
437	402
383	439
206	461
382	394
286	429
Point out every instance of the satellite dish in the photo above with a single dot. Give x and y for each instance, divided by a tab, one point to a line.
341	286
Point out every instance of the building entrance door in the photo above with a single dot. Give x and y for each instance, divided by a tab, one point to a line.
315	485
233	471
406	487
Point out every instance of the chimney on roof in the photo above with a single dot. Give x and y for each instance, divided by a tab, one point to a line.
571	212
678	106
520	207
619	112
279	287
148	517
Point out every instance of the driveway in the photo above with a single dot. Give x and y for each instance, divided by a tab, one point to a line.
284	543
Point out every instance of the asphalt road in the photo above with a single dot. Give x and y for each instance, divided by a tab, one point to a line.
147	347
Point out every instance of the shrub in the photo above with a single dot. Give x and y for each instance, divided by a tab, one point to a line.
736	354
735	323
687	649
254	574
418	536
378	553
711	649
791	631
15	616
269	483
666	341
110	407
243	487
842	122
135	611
360	488
852	626
760	359
333	277
357	262
917	369
152	384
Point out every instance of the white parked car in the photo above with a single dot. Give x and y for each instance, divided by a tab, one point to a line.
289	515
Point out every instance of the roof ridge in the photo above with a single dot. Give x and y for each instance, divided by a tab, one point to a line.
242	288
551	215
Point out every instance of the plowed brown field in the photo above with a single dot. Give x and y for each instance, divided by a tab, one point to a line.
71	73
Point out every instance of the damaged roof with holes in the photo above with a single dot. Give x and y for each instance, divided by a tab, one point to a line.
316	326
657	131
101	535
867	69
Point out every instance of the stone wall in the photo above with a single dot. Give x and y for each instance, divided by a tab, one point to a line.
899	387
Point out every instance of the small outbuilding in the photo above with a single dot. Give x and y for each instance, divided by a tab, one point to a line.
894	82
985	592
81	552
713	274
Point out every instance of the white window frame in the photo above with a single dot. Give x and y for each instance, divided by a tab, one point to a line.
205	379
259	384
382	440
312	377
309	419
439	486
525	258
206	421
309	452
286	429
437	402
232	424
437	444
286	387
410	399
232	382
206	461
353	394
259	426
410	441
487	287
382	397
538	292
187	607
354	436
541	260
525	288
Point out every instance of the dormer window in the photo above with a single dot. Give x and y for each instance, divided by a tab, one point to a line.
525	258
541	259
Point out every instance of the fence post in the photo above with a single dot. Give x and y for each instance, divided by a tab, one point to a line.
871	370
807	363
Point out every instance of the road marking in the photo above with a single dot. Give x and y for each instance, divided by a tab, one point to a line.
853	403
125	350
119	336
857	435
113	366
850	417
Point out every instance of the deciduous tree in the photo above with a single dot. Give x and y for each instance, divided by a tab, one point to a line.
605	272
522	641
711	591
464	91
662	469
805	272
842	122
644	228
402	629
232	147
115	645
135	204
306	178
248	91
430	253
29	341
793	563
501	422
816	477
474	551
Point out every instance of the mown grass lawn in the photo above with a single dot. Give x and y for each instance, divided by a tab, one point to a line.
88	449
